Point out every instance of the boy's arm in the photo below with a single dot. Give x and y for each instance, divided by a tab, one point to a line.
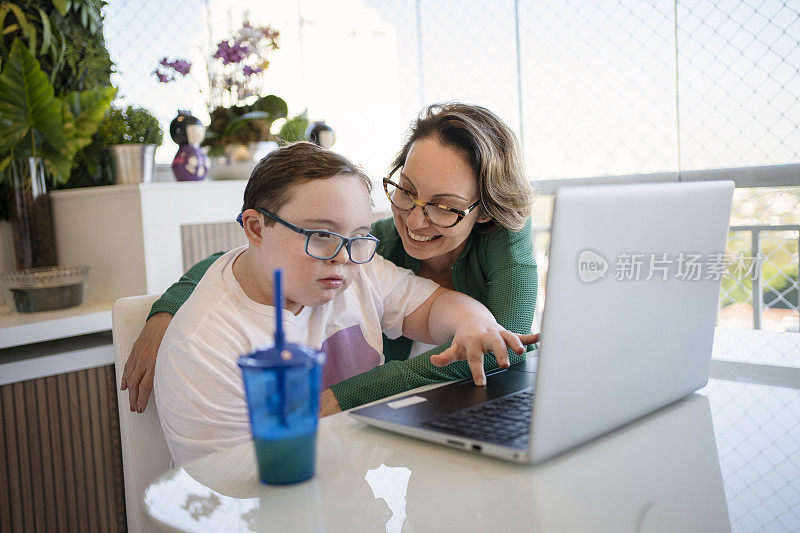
137	375
399	376
473	329
510	296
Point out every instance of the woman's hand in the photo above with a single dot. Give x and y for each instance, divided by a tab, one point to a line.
472	340
137	376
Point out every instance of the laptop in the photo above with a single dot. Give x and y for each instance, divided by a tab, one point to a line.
632	290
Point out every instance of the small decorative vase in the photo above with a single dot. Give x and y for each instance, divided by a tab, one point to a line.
320	134
133	163
31	219
190	163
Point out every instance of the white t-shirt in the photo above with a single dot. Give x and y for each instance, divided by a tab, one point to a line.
198	385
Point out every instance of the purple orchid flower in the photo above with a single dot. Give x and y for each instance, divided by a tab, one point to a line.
231	54
163	78
180	66
270	33
249	71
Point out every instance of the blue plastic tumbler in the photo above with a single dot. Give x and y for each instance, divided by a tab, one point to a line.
282	388
282	385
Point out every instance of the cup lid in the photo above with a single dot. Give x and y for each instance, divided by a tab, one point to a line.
291	355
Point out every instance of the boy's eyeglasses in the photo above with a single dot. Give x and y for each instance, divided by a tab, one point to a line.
437	214
321	244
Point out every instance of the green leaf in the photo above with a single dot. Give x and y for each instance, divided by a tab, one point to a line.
295	128
274	105
268	108
58	54
47	33
82	112
61	6
95	22
28	30
28	105
68	119
89	107
58	164
241	120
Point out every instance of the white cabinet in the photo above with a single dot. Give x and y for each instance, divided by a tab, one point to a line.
135	237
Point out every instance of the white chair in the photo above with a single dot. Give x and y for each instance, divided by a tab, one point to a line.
144	451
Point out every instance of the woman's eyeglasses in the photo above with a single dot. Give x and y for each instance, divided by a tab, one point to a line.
440	215
321	244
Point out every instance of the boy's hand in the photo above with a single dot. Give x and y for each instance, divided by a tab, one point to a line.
137	376
472	340
328	404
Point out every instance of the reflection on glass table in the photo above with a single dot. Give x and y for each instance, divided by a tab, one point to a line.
660	473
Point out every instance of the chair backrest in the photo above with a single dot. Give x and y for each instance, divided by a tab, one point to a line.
144	451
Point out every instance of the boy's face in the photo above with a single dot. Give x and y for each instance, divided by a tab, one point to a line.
340	204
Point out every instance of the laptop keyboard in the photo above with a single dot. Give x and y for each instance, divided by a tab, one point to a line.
506	420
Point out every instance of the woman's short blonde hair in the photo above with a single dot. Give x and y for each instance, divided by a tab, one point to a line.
492	151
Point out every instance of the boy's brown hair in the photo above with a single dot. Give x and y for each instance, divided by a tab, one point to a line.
272	180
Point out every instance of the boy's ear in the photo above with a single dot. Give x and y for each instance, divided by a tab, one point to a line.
253	225
482	219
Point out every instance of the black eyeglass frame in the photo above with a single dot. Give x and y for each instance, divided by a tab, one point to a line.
345	241
422	205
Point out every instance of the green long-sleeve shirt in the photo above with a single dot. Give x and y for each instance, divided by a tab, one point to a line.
497	268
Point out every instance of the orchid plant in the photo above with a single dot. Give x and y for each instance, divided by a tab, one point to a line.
239	114
235	70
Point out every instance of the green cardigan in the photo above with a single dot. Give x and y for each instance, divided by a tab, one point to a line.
497	268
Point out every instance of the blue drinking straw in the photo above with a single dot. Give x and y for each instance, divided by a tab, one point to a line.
279	344
278	292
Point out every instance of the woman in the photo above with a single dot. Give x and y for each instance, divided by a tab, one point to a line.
461	217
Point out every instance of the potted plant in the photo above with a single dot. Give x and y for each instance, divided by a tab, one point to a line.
67	40
132	135
241	118
240	128
40	133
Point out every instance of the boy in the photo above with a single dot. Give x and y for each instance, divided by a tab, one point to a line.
307	211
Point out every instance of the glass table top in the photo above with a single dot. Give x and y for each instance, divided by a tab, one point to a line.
724	459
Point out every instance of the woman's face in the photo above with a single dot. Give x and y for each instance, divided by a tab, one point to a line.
436	173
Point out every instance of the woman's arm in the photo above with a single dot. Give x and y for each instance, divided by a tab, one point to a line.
512	278
174	297
137	376
511	285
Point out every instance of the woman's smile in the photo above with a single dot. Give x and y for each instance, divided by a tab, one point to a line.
420	238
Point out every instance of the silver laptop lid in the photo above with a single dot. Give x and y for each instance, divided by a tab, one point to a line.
629	321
